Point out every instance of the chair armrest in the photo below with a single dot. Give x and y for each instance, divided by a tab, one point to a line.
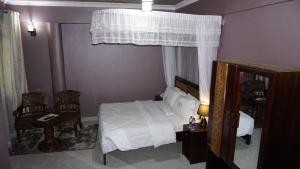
17	111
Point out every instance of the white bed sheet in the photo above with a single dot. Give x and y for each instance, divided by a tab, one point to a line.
246	125
124	126
177	122
173	117
114	118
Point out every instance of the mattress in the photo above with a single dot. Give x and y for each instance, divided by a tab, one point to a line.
246	125
133	125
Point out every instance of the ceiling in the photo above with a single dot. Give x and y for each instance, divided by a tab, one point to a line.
157	2
168	5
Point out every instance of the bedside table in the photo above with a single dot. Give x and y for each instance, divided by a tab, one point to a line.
194	145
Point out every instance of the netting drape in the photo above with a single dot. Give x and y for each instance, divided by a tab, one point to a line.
127	26
154	28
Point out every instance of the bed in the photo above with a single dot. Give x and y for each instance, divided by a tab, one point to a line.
133	125
245	127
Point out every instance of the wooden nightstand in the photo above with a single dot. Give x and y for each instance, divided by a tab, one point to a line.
194	145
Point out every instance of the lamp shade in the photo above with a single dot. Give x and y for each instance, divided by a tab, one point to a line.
204	109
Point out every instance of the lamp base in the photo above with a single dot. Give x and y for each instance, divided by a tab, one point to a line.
203	122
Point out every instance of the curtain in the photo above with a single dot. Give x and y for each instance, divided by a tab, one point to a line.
169	62
127	26
12	71
187	64
206	55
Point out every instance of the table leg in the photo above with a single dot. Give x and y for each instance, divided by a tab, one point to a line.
50	143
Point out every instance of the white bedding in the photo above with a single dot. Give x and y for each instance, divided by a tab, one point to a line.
133	125
246	125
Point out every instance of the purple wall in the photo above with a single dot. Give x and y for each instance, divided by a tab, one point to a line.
268	34
102	73
2	6
37	60
109	73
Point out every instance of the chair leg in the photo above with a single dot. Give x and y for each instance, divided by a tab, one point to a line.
75	130
104	159
18	136
80	124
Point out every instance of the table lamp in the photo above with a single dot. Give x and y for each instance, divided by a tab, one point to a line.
204	110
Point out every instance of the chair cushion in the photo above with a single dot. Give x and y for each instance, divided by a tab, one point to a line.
69	118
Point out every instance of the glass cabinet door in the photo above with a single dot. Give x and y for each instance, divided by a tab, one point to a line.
252	98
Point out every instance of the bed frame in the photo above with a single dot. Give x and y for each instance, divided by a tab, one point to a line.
187	86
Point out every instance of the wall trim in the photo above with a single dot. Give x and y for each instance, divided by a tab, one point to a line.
87	4
96	4
90	119
184	3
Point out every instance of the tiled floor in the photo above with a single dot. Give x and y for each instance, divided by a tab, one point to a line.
164	157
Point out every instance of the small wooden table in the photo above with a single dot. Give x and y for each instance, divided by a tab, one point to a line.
194	145
51	143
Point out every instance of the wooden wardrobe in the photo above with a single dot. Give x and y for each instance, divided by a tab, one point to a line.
279	146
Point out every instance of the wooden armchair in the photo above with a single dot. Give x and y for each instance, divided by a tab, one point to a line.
32	105
68	107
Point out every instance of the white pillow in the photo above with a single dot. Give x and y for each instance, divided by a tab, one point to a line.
184	106
170	95
180	91
167	110
197	104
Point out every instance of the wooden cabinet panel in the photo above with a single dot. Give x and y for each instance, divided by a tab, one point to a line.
284	133
217	108
280	138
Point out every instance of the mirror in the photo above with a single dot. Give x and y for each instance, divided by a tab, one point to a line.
253	90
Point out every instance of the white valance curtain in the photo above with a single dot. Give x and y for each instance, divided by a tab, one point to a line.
12	70
169	62
127	26
154	28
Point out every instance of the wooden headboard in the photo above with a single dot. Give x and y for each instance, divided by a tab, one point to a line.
187	86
